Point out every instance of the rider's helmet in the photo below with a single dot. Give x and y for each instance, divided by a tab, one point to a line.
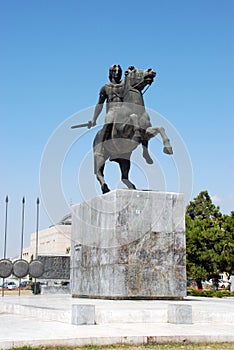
115	68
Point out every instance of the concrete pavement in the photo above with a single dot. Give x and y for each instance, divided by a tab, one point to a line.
46	320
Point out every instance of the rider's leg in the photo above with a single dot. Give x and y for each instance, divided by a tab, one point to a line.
106	131
107	128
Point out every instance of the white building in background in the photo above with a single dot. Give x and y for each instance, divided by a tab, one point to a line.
55	240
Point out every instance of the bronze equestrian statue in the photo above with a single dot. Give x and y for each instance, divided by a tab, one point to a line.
113	94
127	124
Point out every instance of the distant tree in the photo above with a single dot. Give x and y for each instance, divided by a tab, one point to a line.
203	208
227	254
209	239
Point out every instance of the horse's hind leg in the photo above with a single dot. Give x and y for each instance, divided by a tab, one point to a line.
125	167
100	177
153	131
99	165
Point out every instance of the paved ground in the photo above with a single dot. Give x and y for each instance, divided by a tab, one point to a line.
46	319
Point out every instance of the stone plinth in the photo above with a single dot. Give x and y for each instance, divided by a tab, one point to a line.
83	314
129	244
180	314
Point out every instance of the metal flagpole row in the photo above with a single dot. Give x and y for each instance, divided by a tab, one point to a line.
20	267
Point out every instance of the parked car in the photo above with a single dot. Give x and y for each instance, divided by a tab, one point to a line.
223	284
24	284
43	284
191	283
207	283
10	285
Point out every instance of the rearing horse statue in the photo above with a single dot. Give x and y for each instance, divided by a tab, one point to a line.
130	128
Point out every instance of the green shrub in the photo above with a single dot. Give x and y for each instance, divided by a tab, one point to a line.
210	293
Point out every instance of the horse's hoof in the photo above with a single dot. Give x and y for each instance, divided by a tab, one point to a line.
148	159
168	150
105	189
129	184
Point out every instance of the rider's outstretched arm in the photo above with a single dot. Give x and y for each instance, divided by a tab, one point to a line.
99	105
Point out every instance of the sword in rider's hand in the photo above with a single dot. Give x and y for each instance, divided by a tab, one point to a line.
89	125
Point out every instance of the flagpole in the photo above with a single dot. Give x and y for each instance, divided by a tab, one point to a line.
37	224
5	239
36	252
5	236
22	235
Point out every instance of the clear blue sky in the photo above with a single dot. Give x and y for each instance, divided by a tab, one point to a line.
54	57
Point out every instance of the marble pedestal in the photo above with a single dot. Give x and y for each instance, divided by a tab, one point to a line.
129	244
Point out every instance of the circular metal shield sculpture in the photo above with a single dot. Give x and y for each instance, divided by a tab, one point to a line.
6	268
36	269
20	268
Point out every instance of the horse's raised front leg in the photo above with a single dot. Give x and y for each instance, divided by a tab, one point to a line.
146	154
125	167
139	137
153	131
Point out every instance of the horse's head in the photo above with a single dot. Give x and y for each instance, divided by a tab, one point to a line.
139	78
